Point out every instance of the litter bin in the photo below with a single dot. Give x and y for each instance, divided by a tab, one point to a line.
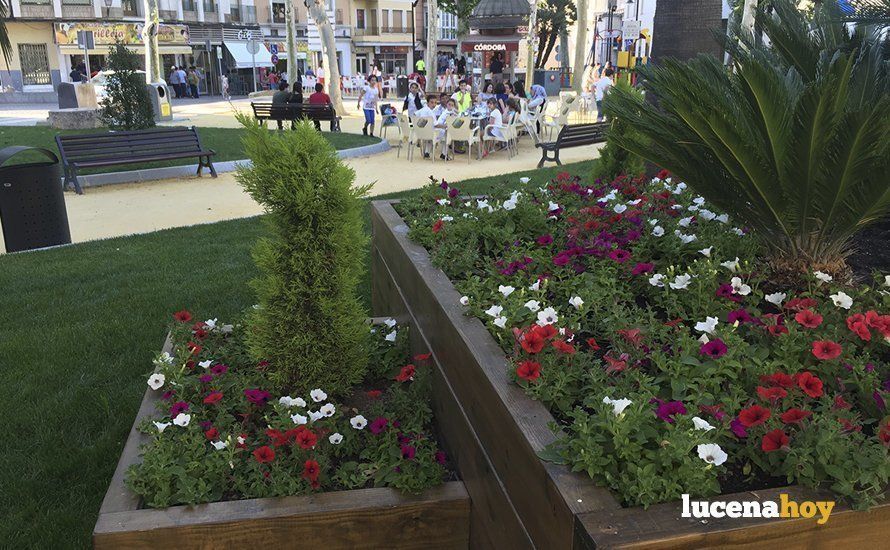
402	85
32	205
160	101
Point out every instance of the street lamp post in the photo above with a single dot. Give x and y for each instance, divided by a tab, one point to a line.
108	8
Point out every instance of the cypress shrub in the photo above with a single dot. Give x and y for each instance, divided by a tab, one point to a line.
127	105
614	160
309	324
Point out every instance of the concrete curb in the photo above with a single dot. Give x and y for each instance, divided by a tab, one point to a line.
189	170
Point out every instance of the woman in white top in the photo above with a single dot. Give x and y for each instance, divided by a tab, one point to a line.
367	101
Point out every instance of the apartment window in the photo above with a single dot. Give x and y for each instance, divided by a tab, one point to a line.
360	19
384	20
338	17
130	7
35	64
189	5
278	13
37	2
77	2
209	6
248	14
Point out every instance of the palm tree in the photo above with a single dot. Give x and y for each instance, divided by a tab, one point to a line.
685	28
318	12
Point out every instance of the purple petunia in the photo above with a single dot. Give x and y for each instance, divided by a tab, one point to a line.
378	425
738	428
668	409
544	240
715	349
178	407
257	396
641	268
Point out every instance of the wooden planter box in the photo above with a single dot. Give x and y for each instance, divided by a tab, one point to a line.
362	518
493	432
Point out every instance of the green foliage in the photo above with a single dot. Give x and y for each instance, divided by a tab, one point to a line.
554	18
309	324
615	160
127	105
793	142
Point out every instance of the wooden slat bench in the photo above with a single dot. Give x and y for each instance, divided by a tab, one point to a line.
114	148
572	136
295	111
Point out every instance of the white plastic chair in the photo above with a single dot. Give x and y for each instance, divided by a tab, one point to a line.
555	122
460	129
425	131
506	137
406	136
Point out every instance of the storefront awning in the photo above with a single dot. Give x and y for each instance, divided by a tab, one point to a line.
244	59
138	48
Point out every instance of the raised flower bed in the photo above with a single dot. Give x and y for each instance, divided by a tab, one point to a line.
486	376
265	460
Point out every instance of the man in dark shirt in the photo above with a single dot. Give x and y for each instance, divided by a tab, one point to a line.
280	98
320	98
497	69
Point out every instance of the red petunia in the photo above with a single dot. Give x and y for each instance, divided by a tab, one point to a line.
774	441
279	438
311	470
632	335
795	416
563	346
591	343
840	403
264	454
438	226
422	356
884	432
194	348
407	373
306	439
826	349
859	326
808	318
779	379
798	304
532	342
849	426
529	370
771	394
754	416
777	330
213	397
547	331
211	434
374	394
183	316
810	384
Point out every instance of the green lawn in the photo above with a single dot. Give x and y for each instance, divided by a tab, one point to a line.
79	324
225	141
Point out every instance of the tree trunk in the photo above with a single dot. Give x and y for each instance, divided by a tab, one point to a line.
150	35
290	19
530	39
684	28
329	49
564	48
432	37
579	67
749	9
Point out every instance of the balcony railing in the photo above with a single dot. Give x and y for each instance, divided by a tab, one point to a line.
377	30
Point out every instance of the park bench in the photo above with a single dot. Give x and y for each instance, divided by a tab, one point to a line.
295	111
572	136
114	148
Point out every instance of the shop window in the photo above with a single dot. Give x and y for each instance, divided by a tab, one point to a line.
35	65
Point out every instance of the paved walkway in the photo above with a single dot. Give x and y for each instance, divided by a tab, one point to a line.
141	208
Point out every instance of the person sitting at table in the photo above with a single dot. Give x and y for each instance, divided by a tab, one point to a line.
462	97
487	92
501	95
442	125
519	90
495	120
536	103
430	112
414	99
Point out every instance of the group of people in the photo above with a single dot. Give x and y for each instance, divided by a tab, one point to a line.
185	84
295	95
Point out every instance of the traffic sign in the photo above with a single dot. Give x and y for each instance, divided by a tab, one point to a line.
273	48
253	47
630	30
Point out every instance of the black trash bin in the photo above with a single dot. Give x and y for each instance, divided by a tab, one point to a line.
32	204
402	85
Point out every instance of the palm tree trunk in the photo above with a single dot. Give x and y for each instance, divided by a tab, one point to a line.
530	40
432	37
579	67
150	35
684	28
290	20
329	48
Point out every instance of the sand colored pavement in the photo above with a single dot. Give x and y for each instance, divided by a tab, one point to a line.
125	209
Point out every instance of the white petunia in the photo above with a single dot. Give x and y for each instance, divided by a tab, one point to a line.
552	206
708	325
618	405
161	426
699	200
535	285
634	202
447	218
686	239
706	214
205	364
841	299
389	322
547	317
701	424
299	419
494	311
166	358
653	221
442	202
677	207
712	454
510	204
391	337
289	401
692	208
684	222
576	302
681	282
464	300
328	409
182	419
241	440
738	231
739	287
335	438
211	323
156	381
524	180
315	416
722	218
823	277
318	395
657	280
620	208
658	231
706	252
533	305
506	290
482	204
732	265
501	322
219	445
887	280
358	422
703	339
776	298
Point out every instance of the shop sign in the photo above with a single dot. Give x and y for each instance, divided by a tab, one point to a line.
394	49
490	47
128	33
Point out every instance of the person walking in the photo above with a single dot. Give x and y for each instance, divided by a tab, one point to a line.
601	88
181	80
420	67
193	80
173	81
225	88
367	101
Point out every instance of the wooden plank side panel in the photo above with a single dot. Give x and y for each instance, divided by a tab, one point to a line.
511	427
494	522
367	518
662	526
